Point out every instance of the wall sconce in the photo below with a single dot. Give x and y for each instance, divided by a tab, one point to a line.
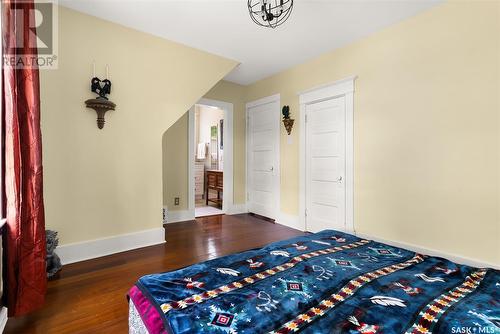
287	121
101	104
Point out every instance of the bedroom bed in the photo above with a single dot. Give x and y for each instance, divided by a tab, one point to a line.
328	282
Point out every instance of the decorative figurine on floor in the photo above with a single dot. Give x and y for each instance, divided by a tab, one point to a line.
287	121
101	104
53	261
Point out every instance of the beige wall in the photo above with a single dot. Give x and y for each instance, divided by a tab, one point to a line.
175	165
426	128
101	183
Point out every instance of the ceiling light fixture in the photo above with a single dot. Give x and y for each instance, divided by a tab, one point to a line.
270	13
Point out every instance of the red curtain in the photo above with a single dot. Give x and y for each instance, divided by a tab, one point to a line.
24	237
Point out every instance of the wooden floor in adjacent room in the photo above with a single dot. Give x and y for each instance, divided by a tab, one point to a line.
90	296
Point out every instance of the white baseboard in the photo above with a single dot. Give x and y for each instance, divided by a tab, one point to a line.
178	216
432	252
289	220
236	209
294	222
186	215
91	249
3	318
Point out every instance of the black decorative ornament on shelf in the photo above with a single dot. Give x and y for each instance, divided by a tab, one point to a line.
270	13
101	88
100	104
287	121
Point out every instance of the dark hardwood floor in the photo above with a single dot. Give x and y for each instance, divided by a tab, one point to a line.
90	296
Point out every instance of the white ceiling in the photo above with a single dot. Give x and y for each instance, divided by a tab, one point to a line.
224	27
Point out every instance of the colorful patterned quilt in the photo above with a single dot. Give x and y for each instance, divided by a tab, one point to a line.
328	282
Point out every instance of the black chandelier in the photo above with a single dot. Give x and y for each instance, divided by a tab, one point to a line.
270	13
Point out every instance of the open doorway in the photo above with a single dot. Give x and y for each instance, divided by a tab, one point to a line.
209	160
210	163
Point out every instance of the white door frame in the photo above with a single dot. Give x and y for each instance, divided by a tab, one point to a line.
344	87
277	168
227	167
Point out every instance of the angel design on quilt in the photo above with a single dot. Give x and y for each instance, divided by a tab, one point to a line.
362	327
336	238
300	246
446	271
405	286
253	263
443	268
192	282
355	324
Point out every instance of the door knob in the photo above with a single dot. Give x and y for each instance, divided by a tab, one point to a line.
339	180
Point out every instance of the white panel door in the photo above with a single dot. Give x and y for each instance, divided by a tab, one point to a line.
325	165
262	158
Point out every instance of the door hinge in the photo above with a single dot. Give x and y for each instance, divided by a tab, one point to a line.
306	118
305	212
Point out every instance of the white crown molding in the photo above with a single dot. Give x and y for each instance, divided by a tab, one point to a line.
91	249
329	90
264	100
